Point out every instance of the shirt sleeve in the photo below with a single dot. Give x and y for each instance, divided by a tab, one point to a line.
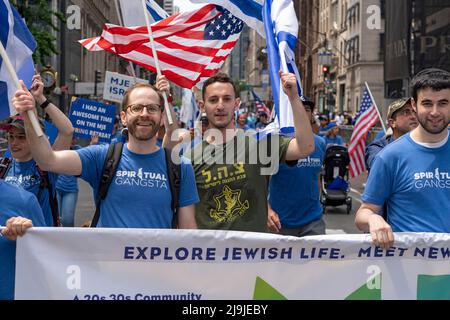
379	184
283	147
188	187
92	160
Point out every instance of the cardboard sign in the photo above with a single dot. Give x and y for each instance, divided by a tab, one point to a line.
117	84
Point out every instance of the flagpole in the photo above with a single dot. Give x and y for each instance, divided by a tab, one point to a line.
155	56
121	23
376	107
13	74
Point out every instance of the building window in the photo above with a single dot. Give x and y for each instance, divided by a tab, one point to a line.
352	50
382	46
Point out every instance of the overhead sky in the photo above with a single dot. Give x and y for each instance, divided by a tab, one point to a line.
186	5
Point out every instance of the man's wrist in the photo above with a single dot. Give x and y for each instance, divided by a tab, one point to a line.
40	100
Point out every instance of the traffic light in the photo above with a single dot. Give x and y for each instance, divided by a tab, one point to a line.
326	71
97	79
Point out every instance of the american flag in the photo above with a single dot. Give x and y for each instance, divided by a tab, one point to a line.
366	119
260	105
191	46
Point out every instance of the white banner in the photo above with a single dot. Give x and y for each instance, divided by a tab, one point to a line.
116	84
136	264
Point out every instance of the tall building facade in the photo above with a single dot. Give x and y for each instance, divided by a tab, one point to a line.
343	47
74	63
167	5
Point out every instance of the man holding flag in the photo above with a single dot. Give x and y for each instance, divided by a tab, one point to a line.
231	184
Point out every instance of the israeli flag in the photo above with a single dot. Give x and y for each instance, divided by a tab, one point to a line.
19	45
156	12
281	26
249	11
189	113
133	15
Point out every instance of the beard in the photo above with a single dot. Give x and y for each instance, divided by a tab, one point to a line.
429	127
143	135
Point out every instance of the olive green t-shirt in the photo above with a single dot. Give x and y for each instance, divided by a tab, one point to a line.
232	181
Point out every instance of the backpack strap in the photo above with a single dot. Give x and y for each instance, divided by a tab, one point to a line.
109	170
174	172
52	199
5	164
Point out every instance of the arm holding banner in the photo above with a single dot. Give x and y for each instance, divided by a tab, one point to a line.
367	219
66	162
303	143
273	220
16	227
59	119
186	217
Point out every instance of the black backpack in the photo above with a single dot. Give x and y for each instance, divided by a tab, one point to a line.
5	163
109	170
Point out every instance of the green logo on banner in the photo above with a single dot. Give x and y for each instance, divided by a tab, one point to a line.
264	291
366	293
433	287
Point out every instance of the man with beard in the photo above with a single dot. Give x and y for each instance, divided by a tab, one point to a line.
139	195
412	175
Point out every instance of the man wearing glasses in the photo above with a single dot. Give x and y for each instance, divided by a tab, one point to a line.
401	119
139	195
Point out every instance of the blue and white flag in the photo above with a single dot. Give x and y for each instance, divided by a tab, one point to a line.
189	110
249	11
281	26
19	45
133	15
156	12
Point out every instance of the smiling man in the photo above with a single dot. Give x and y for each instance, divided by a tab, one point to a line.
412	175
231	167
139	195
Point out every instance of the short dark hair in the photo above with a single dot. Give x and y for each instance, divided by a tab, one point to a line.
433	78
220	77
126	97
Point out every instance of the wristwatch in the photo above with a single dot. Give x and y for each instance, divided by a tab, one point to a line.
45	104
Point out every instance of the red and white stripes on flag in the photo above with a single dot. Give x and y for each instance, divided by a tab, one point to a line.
366	119
191	46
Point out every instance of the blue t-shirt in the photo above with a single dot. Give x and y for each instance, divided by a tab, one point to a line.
14	202
67	183
379	135
26	176
334	141
139	195
294	191
118	137
415	183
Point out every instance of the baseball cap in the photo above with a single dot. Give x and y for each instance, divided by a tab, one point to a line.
331	125
17	122
397	105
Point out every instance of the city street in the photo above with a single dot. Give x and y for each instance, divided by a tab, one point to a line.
337	220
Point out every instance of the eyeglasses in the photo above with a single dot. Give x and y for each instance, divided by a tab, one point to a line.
20	137
138	108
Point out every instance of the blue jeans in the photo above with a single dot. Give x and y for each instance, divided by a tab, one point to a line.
67	202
